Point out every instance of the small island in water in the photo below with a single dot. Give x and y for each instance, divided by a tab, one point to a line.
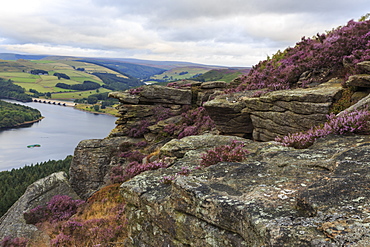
15	115
34	146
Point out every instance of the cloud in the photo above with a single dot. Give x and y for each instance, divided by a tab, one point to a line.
244	30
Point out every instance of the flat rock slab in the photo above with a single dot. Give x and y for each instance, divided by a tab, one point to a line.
277	197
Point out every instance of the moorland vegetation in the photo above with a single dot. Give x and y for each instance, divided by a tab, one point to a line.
333	54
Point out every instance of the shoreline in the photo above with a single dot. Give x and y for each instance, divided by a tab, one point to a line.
94	112
20	125
69	104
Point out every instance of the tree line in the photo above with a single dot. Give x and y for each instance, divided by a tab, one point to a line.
8	90
12	115
86	85
94	98
15	182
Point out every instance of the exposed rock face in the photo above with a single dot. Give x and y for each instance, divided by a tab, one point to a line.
274	114
13	224
92	162
155	103
359	81
156	94
277	197
228	116
365	66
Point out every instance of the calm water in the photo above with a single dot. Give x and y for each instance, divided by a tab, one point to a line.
58	134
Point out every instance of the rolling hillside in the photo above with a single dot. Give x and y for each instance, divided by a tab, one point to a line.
19	72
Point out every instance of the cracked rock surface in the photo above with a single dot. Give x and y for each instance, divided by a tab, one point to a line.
278	196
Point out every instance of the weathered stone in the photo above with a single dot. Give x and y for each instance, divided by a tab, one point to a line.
313	77
283	112
178	147
40	192
125	97
282	123
165	95
277	197
365	65
155	94
358	81
362	104
324	93
92	162
228	116
213	84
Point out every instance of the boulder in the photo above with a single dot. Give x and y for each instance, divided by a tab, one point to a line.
359	81
165	95
92	163
40	192
179	147
213	84
274	114
154	94
278	196
227	114
125	97
365	66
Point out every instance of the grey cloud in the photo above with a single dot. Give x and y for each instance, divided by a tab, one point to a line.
175	28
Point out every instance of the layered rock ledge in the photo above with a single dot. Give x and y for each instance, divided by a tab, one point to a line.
273	114
277	197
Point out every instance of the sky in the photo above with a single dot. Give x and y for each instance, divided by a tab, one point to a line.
213	32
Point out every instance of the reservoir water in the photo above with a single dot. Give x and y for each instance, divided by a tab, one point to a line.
58	134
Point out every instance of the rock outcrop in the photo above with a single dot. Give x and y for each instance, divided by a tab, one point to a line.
273	114
92	163
154	103
40	192
277	197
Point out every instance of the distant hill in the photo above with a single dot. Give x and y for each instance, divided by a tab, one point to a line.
76	73
134	70
167	65
12	56
179	73
123	73
226	75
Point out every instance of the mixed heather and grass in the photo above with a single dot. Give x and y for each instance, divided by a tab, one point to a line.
354	122
100	221
337	52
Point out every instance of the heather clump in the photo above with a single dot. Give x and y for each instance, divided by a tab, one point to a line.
135	168
193	122
59	208
100	222
353	122
234	152
135	91
336	52
13	242
140	129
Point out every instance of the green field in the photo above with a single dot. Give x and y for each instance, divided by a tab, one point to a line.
77	94
180	73
18	72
